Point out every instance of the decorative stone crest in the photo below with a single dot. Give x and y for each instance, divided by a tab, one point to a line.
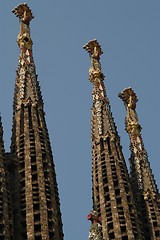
24	40
23	12
26	68
95	73
130	99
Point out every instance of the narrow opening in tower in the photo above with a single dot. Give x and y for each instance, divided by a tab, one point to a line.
22	119
30	116
101	145
109	146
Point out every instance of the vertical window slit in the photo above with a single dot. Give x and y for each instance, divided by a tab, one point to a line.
101	145
30	116
22	119
109	146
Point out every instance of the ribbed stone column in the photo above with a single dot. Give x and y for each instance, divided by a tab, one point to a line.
112	195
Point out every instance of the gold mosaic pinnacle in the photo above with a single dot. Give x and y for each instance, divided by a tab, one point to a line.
23	12
24	39
127	94
93	48
34	186
130	99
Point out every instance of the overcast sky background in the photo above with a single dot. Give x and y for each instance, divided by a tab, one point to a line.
129	33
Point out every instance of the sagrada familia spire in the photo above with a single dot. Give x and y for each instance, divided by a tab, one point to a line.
125	206
144	188
29	199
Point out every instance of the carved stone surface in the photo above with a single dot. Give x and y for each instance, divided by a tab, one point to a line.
112	195
142	180
35	205
6	217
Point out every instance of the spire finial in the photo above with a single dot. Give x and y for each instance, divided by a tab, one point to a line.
93	48
24	40
23	12
95	73
130	99
128	96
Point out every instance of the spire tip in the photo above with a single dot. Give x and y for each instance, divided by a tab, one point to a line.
93	48
126	94
23	12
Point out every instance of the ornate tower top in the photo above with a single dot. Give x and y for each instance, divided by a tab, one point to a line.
130	99
24	13
24	40
94	48
26	81
112	196
142	180
35	190
95	73
138	151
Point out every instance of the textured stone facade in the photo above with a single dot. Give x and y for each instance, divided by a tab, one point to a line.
127	206
145	191
32	209
112	194
6	220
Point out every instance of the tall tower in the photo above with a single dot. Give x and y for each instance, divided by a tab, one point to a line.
6	232
35	193
142	180
112	195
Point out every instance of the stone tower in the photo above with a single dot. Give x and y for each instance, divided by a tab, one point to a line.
142	180
35	198
114	210
6	232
